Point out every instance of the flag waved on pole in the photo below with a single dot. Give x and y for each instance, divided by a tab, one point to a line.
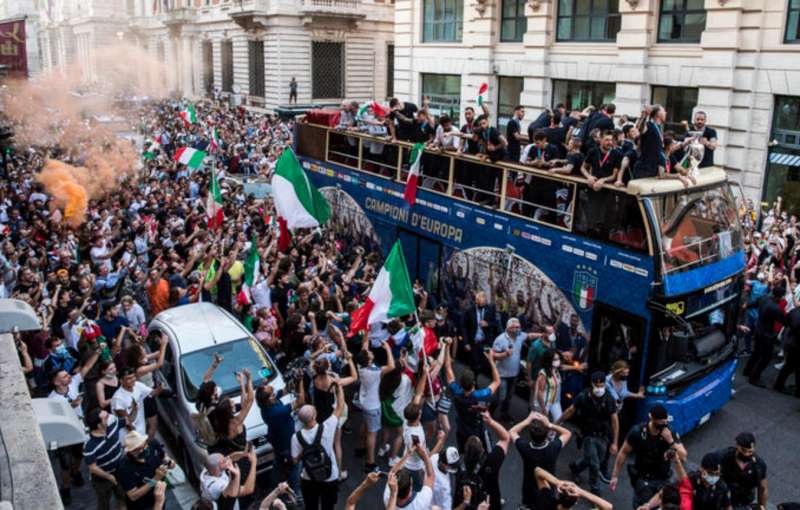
192	158
483	94
298	203
188	115
251	271
214	141
414	170
391	294
214	213
150	153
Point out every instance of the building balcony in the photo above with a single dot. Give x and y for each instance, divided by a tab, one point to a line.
177	17
347	9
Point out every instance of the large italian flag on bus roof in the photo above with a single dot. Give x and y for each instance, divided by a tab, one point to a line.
391	295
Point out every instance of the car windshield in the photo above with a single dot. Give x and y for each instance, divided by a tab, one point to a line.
697	227
237	355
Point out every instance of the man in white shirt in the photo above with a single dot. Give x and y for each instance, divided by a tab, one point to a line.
319	494
444	465
407	497
369	374
101	254
220	479
128	402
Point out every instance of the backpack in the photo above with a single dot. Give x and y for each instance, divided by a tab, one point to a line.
471	477
205	431
316	460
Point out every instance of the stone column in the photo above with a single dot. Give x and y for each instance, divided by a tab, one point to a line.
716	80
537	86
479	37
405	14
633	43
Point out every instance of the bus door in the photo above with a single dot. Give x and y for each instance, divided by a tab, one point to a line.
617	335
423	258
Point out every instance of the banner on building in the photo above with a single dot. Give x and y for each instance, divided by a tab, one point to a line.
13	51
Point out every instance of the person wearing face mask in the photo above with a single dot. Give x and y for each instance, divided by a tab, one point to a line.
709	490
617	386
102	453
596	415
648	442
744	472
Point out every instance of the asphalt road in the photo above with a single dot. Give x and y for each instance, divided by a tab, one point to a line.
774	418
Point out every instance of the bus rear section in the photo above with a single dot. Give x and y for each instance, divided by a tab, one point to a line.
690	361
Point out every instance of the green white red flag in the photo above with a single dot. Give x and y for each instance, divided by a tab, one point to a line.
188	115
214	213
214	141
252	266
414	170
391	294
483	94
192	158
297	200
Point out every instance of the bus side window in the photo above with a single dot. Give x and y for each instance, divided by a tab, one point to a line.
610	216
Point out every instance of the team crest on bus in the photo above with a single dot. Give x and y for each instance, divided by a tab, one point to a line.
584	287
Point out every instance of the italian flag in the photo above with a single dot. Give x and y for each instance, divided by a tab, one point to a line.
150	153
214	142
188	115
414	164
192	158
297	201
584	293
391	294
483	93
362	110
251	271
214	212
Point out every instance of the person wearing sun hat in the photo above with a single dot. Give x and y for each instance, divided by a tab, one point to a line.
143	461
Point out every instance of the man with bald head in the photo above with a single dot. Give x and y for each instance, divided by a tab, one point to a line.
313	447
221	481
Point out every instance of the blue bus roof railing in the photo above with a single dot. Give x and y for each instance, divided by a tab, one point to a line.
351	149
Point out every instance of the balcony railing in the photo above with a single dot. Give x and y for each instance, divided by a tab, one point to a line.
333	7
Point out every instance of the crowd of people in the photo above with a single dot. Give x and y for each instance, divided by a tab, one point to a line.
429	427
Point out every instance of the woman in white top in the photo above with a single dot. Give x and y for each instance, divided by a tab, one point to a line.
547	392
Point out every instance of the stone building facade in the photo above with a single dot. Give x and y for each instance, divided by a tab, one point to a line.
335	49
738	60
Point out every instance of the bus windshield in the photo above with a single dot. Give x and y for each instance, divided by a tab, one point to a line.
696	227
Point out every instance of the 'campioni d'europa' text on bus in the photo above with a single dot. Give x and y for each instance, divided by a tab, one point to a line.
653	271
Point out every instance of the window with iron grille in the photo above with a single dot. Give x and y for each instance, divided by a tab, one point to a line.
442	20
681	21
208	67
390	70
226	51
327	70
513	22
588	20
255	50
444	91
793	22
679	103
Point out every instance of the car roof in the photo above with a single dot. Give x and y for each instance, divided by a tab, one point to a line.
200	325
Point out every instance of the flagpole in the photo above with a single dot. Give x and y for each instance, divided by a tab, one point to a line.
425	359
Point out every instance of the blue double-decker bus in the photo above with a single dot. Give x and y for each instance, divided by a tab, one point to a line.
654	271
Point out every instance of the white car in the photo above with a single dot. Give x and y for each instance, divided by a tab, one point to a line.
196	332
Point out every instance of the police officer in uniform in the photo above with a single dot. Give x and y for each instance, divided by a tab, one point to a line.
744	472
649	443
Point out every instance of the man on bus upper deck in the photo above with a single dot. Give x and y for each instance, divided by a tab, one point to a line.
602	163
